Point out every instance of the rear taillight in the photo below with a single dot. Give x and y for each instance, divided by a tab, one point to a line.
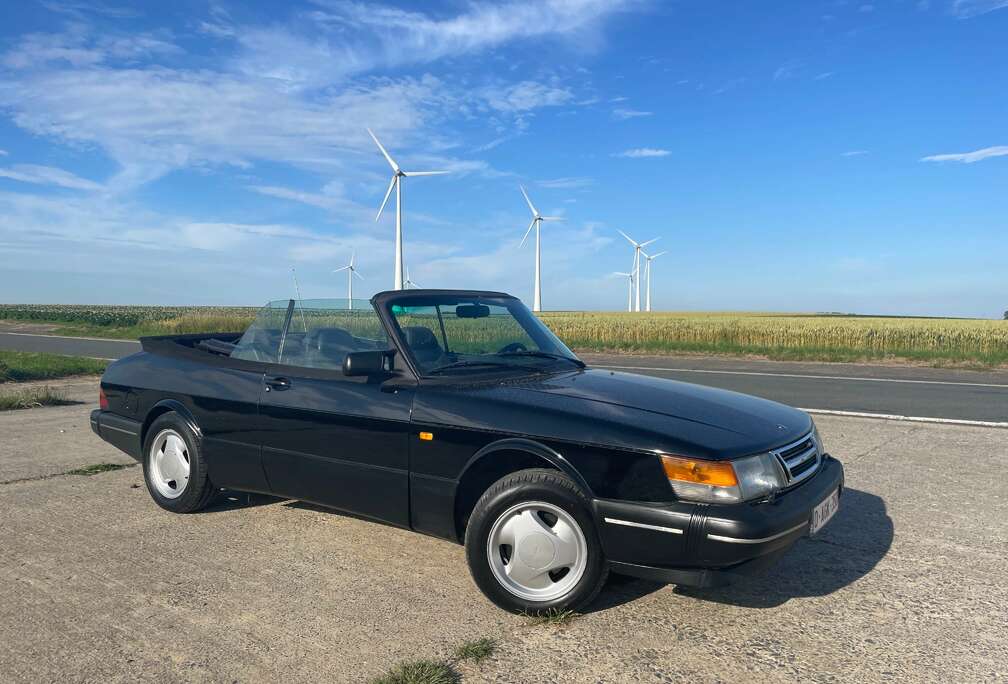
102	400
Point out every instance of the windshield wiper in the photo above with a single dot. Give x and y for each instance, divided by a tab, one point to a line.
465	364
545	355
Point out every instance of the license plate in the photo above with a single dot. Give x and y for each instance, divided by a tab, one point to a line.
825	510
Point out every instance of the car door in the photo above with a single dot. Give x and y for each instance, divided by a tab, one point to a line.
223	396
330	439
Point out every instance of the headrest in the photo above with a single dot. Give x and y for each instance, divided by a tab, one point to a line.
333	337
420	337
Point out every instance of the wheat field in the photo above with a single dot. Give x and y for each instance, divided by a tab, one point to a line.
937	341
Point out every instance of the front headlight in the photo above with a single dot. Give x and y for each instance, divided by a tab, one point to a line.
743	479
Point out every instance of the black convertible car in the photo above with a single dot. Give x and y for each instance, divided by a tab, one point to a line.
458	414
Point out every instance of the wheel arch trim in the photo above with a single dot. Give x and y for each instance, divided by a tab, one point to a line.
166	405
534	448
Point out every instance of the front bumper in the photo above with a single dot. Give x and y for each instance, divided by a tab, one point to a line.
709	545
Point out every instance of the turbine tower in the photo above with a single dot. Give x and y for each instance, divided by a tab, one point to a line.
397	175
647	276
351	270
630	281
409	284
536	223
636	262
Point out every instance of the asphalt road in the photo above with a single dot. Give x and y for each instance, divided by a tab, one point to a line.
69	346
888	390
97	584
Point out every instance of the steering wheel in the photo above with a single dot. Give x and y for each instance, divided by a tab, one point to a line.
513	347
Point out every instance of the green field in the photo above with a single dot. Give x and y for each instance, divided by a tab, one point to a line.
26	366
813	337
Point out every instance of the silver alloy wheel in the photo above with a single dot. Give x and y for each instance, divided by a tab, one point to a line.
537	551
168	464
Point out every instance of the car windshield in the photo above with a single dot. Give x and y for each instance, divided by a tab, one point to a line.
449	334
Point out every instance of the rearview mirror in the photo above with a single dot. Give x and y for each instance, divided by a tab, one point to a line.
472	311
367	363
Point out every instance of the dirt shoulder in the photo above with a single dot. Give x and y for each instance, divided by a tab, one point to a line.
907	583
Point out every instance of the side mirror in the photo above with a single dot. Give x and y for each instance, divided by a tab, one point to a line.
367	363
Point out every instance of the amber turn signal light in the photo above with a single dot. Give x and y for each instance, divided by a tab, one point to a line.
426	436
716	473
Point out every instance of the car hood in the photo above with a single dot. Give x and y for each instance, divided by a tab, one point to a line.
632	411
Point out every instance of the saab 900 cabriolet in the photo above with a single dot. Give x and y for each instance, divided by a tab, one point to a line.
460	415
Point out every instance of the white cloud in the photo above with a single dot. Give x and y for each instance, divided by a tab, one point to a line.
643	152
624	114
525	96
787	70
47	175
969	157
3	153
153	118
854	153
566	183
966	9
342	37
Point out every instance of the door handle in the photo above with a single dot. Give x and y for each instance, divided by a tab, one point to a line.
278	384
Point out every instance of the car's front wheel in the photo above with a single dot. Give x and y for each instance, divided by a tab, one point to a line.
531	544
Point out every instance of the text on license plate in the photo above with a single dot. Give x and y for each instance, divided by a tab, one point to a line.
825	510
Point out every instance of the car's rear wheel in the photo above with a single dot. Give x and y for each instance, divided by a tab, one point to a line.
531	544
174	470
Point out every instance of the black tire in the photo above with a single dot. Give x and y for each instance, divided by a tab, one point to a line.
199	490
548	486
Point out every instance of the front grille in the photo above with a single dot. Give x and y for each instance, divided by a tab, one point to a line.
798	460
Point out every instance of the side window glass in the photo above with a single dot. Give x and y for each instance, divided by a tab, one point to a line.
261	341
322	332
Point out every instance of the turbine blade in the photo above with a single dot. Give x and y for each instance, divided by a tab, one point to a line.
525	237
535	212
353	255
658	255
395	167
340	269
645	244
354	271
552	218
424	173
395	179
629	239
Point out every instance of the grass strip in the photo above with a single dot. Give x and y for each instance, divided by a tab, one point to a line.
95	469
552	617
438	671
25	366
105	467
33	398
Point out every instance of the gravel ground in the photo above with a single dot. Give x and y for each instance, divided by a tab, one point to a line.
908	583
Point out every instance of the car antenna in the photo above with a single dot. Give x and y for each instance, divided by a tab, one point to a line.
297	292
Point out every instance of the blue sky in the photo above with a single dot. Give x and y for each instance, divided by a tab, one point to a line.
792	156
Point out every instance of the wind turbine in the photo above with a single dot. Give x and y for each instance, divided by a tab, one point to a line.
397	175
647	276
636	262
351	270
409	282
630	280
537	220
